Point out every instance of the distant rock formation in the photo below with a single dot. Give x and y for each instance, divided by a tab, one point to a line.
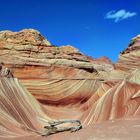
70	85
24	37
129	59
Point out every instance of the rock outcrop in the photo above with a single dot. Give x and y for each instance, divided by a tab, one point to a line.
24	37
69	85
21	114
129	59
19	110
28	47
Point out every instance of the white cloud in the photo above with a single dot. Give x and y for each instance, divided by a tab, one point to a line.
119	15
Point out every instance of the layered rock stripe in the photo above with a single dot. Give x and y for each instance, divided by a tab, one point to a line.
67	84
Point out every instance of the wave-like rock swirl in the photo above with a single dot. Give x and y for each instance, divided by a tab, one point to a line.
19	110
62	83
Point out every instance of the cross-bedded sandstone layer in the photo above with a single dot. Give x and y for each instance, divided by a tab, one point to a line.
69	85
129	59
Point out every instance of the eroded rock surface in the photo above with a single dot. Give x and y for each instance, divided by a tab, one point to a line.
129	59
69	85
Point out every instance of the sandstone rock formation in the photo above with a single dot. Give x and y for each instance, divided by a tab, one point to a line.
19	110
20	113
67	84
129	59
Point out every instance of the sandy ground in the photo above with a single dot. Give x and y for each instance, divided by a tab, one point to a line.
128	129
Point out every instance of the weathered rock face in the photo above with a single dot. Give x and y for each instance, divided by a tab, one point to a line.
70	85
36	63
28	47
24	37
129	59
19	110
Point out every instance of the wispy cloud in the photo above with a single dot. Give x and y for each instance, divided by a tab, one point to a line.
119	15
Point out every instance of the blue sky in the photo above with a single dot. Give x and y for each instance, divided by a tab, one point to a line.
96	27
